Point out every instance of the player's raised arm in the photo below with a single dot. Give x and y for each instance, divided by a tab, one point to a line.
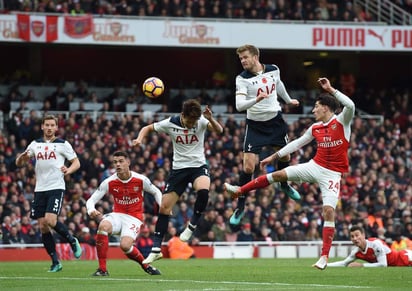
213	125
142	134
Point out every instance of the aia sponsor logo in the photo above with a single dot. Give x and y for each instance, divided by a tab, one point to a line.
186	139
46	156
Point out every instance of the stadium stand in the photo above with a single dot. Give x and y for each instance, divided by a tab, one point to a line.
377	192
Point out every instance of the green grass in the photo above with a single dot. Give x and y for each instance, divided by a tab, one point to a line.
202	274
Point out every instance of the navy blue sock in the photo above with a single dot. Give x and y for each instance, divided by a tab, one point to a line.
61	229
50	246
243	179
160	230
200	205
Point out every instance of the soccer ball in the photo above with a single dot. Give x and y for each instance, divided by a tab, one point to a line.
153	87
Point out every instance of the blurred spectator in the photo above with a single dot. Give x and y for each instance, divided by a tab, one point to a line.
245	234
401	243
182	217
220	228
14	236
144	242
86	237
205	224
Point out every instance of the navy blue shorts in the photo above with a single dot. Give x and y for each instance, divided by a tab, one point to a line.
178	179
273	133
47	201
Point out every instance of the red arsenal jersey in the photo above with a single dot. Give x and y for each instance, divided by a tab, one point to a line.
332	146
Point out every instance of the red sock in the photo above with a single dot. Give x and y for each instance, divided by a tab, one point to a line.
136	256
102	246
259	182
327	237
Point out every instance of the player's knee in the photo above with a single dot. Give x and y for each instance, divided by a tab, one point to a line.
328	213
201	200
105	226
168	202
279	176
165	209
249	169
125	246
50	222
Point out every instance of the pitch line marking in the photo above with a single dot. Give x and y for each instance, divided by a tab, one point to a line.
193	281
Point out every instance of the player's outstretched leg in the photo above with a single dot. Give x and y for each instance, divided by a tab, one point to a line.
233	190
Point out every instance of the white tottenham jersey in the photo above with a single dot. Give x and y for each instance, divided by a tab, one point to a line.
249	86
188	144
50	157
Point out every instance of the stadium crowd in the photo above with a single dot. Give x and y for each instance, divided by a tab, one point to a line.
302	10
376	193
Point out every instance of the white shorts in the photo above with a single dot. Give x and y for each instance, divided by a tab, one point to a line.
328	180
123	224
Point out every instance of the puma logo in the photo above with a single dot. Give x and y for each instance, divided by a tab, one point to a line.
378	36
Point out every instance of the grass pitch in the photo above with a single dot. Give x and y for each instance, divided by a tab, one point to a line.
203	274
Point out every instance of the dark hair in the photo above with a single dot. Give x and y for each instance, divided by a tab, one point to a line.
328	100
121	154
254	51
357	227
192	109
49	117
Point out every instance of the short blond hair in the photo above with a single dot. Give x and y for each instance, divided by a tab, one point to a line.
248	47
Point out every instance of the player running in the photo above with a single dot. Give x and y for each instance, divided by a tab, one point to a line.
50	154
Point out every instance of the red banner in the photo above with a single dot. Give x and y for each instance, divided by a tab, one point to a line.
37	28
78	26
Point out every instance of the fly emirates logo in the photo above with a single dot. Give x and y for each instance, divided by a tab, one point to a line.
329	143
126	200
